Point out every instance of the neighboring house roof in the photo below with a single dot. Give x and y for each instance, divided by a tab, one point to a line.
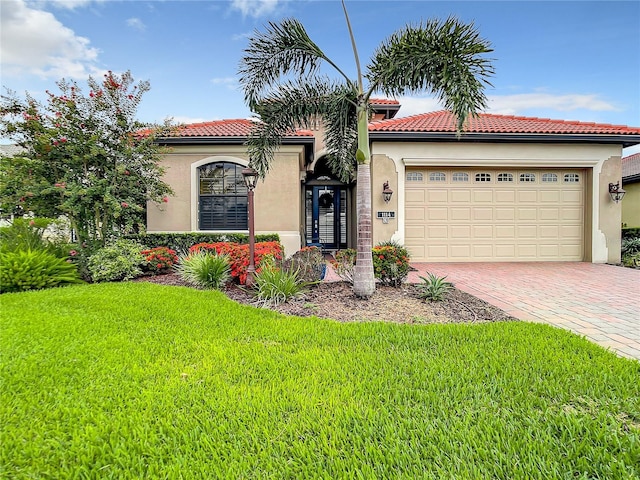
11	150
631	168
383	101
491	126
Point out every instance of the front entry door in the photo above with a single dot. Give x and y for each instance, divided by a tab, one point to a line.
326	215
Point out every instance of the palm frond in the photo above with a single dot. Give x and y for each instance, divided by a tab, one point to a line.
442	57
284	48
292	105
341	134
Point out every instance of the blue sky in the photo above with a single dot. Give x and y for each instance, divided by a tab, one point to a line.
575	60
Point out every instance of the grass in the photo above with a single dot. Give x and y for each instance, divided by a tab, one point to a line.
135	380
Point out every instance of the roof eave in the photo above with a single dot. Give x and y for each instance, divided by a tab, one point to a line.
624	140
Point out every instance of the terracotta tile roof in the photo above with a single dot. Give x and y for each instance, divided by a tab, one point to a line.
631	165
225	128
383	101
443	121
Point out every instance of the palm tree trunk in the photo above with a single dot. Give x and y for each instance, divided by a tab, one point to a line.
363	279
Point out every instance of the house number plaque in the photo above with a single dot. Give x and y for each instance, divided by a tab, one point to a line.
385	216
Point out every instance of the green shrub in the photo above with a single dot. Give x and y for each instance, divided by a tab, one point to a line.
34	270
434	288
28	234
121	260
182	242
275	286
205	269
344	264
309	263
390	263
630	245
631	260
630	232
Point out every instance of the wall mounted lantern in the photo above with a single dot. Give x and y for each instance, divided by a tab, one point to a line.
250	177
386	192
616	192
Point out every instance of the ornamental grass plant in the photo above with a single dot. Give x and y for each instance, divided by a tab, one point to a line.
205	269
172	382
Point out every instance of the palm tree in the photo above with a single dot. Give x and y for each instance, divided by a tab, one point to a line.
279	73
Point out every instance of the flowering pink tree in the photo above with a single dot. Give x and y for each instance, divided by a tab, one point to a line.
88	156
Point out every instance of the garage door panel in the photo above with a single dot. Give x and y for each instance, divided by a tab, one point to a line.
482	231
460	196
439	232
549	231
460	252
527	196
549	196
415	196
569	214
505	196
415	214
572	197
482	214
505	231
438	213
527	213
549	213
458	232
437	196
460	213
505	251
505	213
503	220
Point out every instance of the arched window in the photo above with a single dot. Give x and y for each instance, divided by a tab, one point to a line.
222	197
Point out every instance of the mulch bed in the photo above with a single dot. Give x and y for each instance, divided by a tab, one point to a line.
336	300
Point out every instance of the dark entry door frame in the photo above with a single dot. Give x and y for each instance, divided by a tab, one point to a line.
326	216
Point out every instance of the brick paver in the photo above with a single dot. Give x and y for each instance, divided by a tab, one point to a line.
601	302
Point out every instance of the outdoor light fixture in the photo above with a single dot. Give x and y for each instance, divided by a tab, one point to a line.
616	192
386	192
250	177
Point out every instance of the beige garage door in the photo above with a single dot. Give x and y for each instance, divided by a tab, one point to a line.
467	215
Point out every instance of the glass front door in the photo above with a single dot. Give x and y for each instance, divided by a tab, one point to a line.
326	216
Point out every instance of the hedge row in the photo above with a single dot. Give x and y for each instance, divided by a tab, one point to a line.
181	242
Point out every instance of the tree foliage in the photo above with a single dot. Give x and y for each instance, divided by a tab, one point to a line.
86	156
279	73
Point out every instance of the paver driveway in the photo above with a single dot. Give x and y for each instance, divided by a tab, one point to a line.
601	302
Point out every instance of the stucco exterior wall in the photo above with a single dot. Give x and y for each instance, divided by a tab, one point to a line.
631	205
601	163
610	218
277	198
383	169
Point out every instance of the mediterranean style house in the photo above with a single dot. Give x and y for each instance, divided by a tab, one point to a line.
509	189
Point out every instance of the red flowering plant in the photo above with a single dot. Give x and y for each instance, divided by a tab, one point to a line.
239	255
390	263
159	259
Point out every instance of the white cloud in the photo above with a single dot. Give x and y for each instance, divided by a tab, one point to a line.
515	104
188	120
230	82
241	36
255	8
417	105
34	42
137	24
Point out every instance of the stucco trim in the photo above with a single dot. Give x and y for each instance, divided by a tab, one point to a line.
194	186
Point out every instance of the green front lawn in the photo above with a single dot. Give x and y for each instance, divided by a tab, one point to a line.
135	380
